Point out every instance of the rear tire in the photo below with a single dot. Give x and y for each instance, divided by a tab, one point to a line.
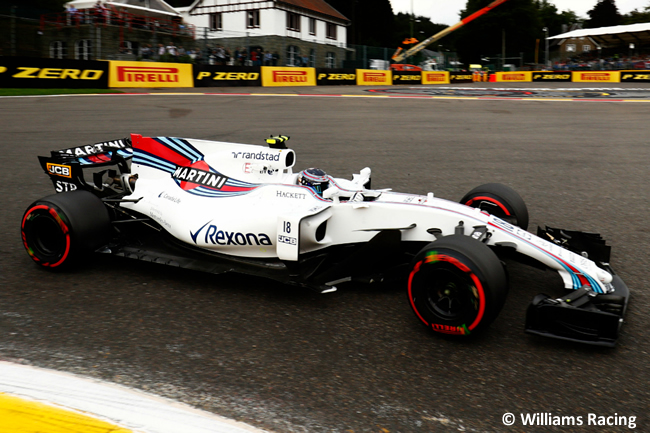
457	285
60	229
499	200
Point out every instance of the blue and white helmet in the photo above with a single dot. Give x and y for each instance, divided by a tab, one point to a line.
315	178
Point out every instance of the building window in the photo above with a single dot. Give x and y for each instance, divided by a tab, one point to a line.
312	58
570	48
293	22
83	49
216	21
586	48
312	26
293	56
253	19
128	47
58	50
330	60
331	31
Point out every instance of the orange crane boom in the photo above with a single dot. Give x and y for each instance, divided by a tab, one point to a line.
400	55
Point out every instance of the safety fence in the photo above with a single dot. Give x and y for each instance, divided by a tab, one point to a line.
112	16
27	72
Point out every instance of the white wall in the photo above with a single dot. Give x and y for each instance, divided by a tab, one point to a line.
272	22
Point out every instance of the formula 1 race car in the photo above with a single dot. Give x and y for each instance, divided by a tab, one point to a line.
226	207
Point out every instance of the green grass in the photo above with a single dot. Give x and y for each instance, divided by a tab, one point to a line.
23	92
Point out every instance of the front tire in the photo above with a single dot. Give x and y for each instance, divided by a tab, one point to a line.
60	229
457	285
499	200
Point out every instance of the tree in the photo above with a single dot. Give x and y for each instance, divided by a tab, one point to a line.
31	8
636	16
555	21
419	27
516	23
604	14
372	21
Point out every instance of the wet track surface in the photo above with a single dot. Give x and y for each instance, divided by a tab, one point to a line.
356	360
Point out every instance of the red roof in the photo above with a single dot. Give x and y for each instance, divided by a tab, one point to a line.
319	6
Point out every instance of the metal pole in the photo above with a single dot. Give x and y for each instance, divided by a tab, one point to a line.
412	19
99	43
205	43
503	49
13	30
548	61
365	59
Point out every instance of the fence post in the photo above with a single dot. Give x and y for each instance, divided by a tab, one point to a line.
99	43
205	41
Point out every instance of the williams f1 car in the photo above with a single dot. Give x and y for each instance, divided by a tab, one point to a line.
226	207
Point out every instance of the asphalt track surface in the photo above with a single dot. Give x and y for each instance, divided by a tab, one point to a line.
357	360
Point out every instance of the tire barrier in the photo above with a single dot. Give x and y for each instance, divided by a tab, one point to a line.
27	72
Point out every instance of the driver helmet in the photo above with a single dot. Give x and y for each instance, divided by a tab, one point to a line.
315	178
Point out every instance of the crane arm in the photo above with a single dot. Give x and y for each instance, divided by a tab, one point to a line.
400	55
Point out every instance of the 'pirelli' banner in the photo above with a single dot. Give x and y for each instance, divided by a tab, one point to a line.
36	73
374	77
435	77
335	77
518	76
552	76
635	76
273	77
596	76
150	74
230	76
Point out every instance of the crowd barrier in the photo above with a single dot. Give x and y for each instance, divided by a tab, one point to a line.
36	73
27	72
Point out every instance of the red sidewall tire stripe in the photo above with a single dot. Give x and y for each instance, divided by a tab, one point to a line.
461	266
64	229
491	200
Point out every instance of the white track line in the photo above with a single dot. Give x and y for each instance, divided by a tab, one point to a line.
131	409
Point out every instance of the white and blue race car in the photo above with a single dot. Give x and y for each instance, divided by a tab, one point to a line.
227	207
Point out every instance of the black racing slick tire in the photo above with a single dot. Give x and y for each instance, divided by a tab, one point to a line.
499	200
457	286
60	229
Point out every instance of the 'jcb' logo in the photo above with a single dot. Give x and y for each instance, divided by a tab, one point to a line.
58	73
59	170
289	76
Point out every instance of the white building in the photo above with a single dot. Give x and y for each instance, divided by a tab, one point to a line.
296	29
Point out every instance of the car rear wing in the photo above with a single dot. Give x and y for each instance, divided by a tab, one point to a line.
92	167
